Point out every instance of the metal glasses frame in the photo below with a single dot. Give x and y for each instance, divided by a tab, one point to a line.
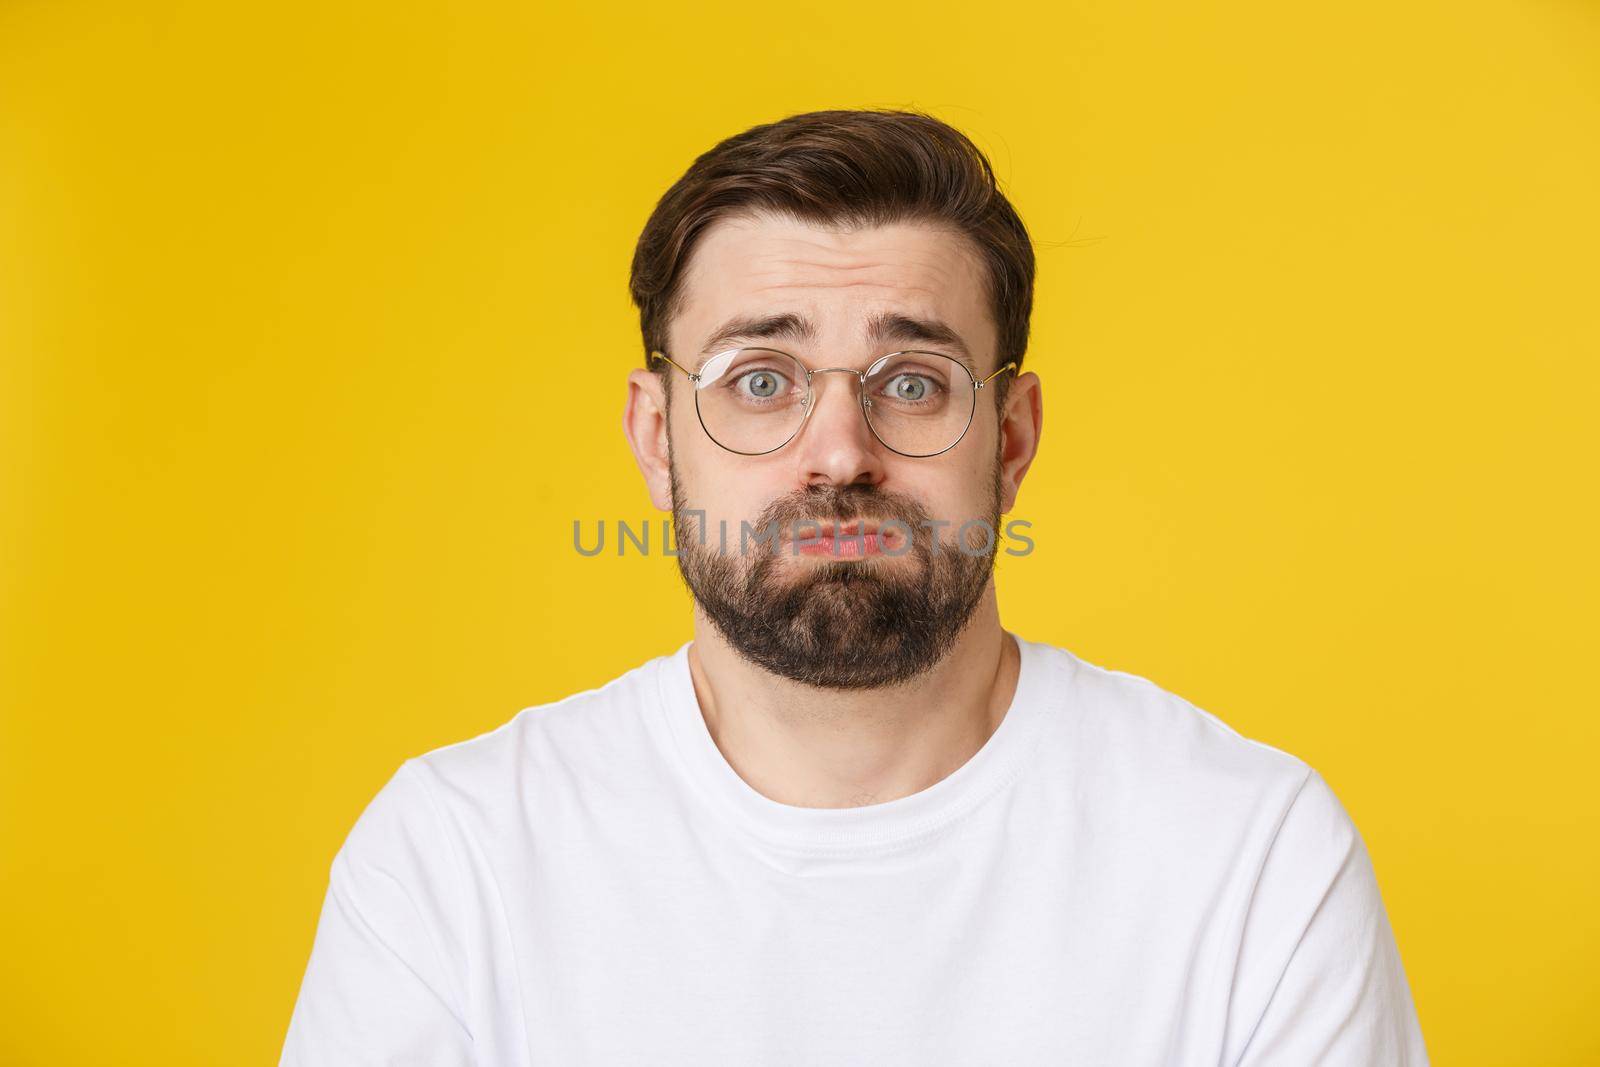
866	401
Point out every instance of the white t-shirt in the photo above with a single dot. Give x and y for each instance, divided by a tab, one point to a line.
1116	878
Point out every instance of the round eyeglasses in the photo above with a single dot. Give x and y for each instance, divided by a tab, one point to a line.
752	401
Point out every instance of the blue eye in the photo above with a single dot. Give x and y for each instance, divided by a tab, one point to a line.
911	387
762	384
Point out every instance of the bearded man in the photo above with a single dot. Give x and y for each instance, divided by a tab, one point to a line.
854	820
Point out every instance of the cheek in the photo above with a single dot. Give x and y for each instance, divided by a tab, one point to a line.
955	493
716	482
695	457
958	509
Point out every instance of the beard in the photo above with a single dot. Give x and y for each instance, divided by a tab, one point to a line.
859	624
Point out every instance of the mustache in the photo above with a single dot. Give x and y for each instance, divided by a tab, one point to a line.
842	504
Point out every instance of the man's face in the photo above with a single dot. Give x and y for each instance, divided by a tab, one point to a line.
828	613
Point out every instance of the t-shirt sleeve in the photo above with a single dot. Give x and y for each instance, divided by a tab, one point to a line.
383	983
1319	982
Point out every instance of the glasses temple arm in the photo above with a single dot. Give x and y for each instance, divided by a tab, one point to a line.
669	359
1009	366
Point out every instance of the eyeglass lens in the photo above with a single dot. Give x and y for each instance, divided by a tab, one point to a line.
753	400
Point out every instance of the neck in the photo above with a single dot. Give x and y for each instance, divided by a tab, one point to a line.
823	748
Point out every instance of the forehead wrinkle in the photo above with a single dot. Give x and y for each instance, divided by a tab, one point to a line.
826	278
804	261
933	265
843	285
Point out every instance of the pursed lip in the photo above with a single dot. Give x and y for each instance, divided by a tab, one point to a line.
856	539
811	530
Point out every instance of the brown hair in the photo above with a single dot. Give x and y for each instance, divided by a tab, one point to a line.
855	168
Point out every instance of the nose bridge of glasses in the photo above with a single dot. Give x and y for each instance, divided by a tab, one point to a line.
811	377
855	403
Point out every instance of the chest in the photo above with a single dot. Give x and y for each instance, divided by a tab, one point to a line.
984	945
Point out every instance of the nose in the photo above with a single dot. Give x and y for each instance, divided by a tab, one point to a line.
836	446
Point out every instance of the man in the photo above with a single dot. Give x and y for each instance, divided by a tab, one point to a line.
854	820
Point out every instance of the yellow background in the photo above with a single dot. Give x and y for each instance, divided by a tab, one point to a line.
314	327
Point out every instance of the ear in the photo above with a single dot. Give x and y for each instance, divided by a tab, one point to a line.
1020	425
644	423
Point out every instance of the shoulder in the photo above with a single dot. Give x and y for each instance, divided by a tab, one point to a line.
1143	764
1128	716
427	820
1127	739
578	741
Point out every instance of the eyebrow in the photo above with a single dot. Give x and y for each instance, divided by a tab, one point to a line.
885	326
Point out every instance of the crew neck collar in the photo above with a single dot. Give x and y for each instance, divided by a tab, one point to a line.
897	822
